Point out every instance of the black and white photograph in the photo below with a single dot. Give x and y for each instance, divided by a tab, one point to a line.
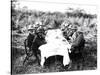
49	37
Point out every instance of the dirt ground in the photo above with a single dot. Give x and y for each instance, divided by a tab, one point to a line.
31	66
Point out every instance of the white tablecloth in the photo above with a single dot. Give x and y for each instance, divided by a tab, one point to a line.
51	49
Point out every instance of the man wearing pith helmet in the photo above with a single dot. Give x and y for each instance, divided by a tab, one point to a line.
31	36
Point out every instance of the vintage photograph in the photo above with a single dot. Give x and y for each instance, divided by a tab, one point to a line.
49	37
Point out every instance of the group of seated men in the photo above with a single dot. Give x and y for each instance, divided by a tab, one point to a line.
71	32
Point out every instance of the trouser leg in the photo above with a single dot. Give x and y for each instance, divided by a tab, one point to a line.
37	58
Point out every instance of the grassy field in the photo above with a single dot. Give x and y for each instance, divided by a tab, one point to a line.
22	19
18	56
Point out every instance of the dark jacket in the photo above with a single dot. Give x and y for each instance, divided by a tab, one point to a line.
30	39
78	42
